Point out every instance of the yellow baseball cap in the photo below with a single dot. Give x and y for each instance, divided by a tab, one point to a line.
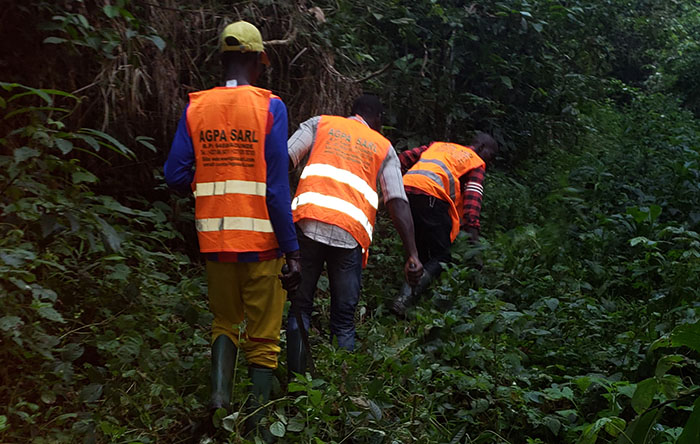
245	38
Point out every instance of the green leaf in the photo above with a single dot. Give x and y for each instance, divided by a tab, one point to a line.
111	143
687	335
627	390
552	303
71	352
9	86
553	424
639	430
666	363
296	424
83	21
615	426
169	351
46	311
691	431
83	176
35	109
229	422
42	293
17	257
375	411
403	21
58	92
61	418
131	347
111	11
24	153
110	236
590	434
66	146
662	342
48	397
158	41
55	40
277	429
31	91
10	322
670	384
654	212
642	240
3	423
644	395
507	82
645	214
89	140
113	205
315	397
146	141
90	393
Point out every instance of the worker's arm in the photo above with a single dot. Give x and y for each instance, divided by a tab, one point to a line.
278	196
301	141
472	195
397	204
409	158
178	167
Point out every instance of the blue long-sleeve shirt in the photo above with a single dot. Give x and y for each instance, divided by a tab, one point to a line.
179	174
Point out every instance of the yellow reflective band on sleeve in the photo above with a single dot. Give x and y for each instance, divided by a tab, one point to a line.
336	204
230	187
344	176
234	223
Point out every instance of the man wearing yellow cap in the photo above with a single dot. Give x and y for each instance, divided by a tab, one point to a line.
235	137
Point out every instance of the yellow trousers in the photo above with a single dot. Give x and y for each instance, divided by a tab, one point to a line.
249	291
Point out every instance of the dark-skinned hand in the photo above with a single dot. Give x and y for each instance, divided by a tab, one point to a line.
413	270
291	272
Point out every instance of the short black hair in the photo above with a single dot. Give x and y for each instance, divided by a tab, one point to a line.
368	106
485	140
229	58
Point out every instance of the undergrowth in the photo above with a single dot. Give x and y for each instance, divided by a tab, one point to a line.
582	326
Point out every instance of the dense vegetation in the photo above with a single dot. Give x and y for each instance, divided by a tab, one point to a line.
583	325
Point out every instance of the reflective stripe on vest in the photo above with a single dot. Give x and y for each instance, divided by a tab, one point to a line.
228	128
436	178
230	187
345	177
334	203
234	223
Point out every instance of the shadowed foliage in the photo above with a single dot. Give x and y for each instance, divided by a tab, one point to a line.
583	325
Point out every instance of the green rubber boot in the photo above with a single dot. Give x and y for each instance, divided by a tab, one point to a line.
223	356
261	379
408	296
296	354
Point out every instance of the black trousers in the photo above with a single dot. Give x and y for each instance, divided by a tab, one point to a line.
432	224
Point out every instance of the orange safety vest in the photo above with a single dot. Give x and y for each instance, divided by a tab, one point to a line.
438	171
228	128
338	186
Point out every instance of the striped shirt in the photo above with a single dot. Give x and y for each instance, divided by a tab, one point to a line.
472	184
